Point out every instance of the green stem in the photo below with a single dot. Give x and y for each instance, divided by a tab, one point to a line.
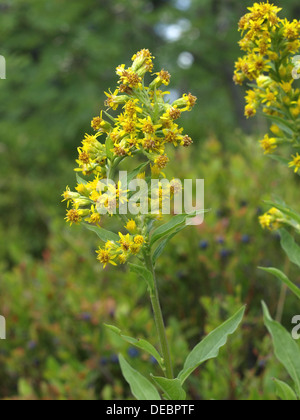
154	296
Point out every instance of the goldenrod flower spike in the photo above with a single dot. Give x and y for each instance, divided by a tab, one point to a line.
269	45
145	124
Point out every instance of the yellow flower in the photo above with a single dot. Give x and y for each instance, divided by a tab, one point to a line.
291	29
105	257
139	240
163	78
94	217
162	161
68	195
286	86
142	62
113	100
131	226
295	162
147	126
75	215
135	248
269	97
125	242
268	144
186	103
265	220
250	111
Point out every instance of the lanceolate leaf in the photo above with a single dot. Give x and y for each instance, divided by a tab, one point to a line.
290	247
279	159
80	180
141	387
210	346
144	273
139	343
281	276
284	391
172	388
286	349
159	250
109	144
171	226
132	175
104	235
284	125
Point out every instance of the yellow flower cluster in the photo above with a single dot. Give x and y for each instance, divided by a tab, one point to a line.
272	220
275	219
120	251
146	124
270	44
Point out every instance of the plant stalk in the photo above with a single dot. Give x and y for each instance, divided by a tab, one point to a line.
159	321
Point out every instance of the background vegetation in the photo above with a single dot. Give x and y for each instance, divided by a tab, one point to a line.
61	56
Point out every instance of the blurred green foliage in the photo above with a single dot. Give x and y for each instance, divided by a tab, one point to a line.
61	56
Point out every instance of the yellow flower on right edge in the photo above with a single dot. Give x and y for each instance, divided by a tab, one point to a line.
271	47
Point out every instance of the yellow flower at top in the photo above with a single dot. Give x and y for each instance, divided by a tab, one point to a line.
144	126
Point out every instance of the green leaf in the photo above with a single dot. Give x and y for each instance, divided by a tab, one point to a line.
159	250
285	210
80	180
284	391
104	235
141	388
24	388
144	273
110	117
290	247
279	159
282	124
109	145
171	387
169	227
139	343
132	175
286	349
281	276
210	346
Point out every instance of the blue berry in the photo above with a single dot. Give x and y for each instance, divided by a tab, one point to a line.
225	253
85	316
221	240
114	358
31	345
245	239
203	245
133	352
103	361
